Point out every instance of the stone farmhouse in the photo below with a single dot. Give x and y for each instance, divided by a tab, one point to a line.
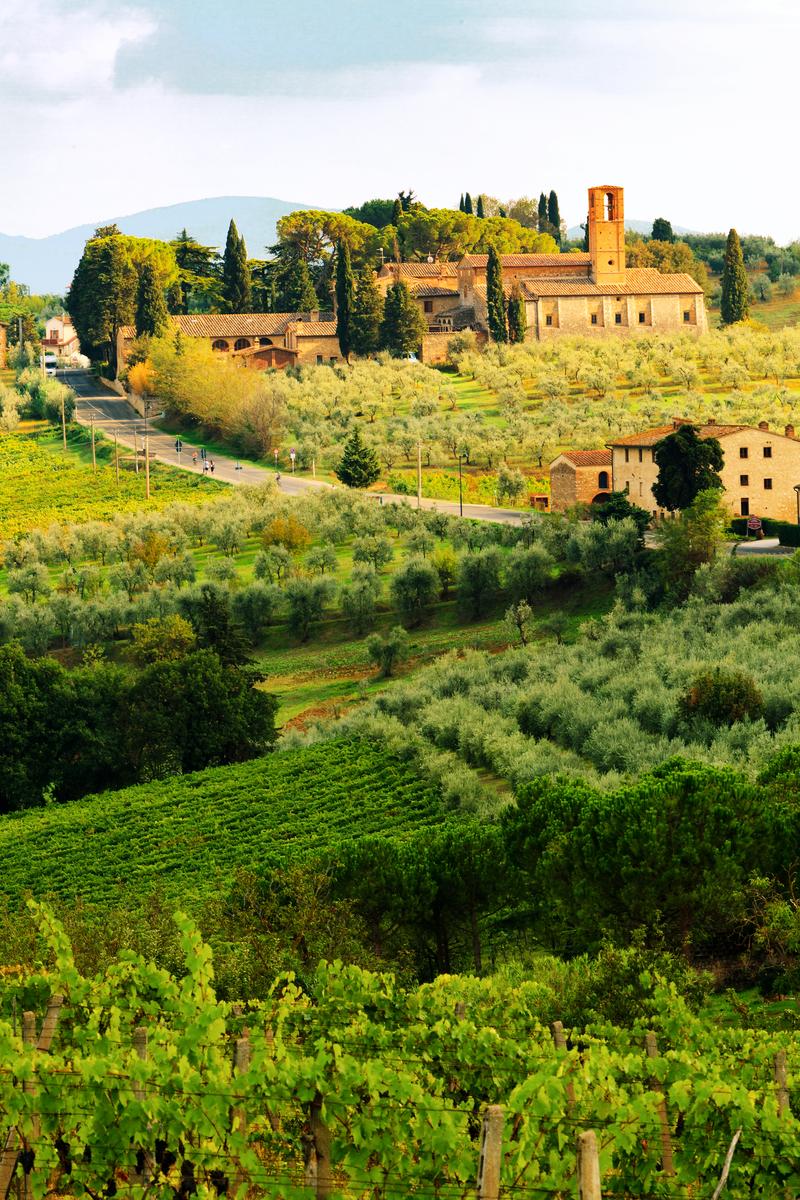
579	477
760	472
592	294
256	340
759	475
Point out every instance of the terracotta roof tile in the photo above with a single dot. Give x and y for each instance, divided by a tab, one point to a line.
429	291
588	458
313	328
639	281
528	260
419	270
649	437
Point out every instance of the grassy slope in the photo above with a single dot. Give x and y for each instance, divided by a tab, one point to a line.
184	835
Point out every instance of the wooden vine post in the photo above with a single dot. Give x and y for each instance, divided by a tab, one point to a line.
780	1083
560	1043
667	1163
10	1151
491	1153
588	1166
321	1150
241	1064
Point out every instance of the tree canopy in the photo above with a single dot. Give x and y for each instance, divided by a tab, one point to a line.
687	465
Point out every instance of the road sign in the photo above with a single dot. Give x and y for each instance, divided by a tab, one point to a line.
754	523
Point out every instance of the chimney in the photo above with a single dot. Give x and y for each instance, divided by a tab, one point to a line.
763	426
789	431
314	315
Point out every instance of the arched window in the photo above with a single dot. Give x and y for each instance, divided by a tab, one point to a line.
608	206
219	344
241	343
265	341
602	479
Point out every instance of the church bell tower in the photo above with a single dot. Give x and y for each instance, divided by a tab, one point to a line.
607	234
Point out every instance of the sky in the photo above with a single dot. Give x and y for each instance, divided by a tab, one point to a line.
108	107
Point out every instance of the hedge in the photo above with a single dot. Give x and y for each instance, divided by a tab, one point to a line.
786	531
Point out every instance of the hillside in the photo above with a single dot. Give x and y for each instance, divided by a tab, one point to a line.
181	834
47	264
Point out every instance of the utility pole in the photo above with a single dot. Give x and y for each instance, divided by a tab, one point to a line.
94	455
419	474
63	424
146	452
460	492
116	456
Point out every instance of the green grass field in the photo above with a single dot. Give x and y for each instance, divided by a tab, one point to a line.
188	834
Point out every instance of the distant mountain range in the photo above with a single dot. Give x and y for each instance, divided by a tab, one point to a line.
47	264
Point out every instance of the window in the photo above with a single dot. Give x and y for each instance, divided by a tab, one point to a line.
687	316
594	318
241	343
427	305
548	319
744	480
743	452
768	452
642	318
602	479
320	360
617	318
265	341
767	485
745	507
627	455
641	455
334	359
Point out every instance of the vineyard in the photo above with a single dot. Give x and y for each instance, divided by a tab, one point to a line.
183	834
39	486
141	1083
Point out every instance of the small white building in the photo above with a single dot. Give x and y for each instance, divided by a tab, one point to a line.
60	337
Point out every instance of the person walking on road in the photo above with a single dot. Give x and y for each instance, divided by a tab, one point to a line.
278	479
194	459
211	465
205	466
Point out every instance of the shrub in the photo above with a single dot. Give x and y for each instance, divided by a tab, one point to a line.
385	651
162	639
287	532
723	697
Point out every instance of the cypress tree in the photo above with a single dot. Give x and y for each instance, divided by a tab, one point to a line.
554	216
734	303
495	299
585	229
403	325
468	203
461	203
175	298
517	316
151	311
479	211
358	466
236	283
397	212
542	212
365	326
297	290
345	287
501	212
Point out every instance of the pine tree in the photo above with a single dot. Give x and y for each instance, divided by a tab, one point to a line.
662	230
198	266
461	203
501	212
495	298
297	290
517	316
345	287
236	284
365	326
734	303
542	212
358	466
397	212
468	203
403	325
479	211
151	310
554	216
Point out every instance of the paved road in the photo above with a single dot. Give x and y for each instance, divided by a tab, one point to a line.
112	412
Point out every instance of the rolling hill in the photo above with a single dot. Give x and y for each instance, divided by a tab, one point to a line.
47	264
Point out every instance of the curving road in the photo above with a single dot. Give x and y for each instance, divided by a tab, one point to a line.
112	413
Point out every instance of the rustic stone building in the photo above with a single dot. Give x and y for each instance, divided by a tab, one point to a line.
759	475
256	340
579	477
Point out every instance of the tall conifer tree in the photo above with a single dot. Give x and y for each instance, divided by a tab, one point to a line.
151	311
365	327
495	298
517	316
403	325
461	203
236	283
296	289
542	213
397	212
554	216
345	288
734	303
479	212
468	203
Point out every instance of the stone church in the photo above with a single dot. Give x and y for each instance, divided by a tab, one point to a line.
592	294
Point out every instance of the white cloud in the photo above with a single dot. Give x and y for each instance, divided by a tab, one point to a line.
52	49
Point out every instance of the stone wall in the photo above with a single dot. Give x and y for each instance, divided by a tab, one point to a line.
571	316
310	349
571	484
